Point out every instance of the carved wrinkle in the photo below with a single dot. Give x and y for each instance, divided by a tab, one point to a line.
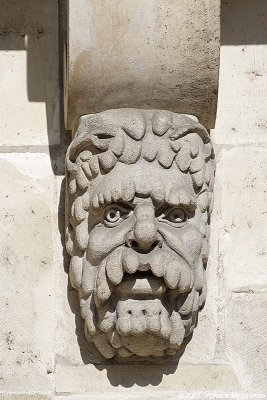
139	196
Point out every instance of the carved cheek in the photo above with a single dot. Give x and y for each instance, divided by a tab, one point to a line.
103	240
185	241
192	239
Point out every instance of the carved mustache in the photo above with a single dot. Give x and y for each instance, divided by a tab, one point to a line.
173	269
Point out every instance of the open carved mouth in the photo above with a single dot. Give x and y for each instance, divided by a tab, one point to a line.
129	273
142	283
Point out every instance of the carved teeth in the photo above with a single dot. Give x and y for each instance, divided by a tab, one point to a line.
130	261
165	324
114	267
102	345
178	331
172	274
103	288
106	319
153	323
136	318
187	306
186	280
158	264
88	277
176	273
123	325
144	267
199	276
115	339
88	313
138	324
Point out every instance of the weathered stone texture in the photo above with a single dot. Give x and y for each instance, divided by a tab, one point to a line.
26	359
145	379
246	323
244	218
29	73
164	55
138	201
25	396
242	100
227	353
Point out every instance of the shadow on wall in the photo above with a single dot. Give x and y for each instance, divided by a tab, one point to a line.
243	22
141	374
40	28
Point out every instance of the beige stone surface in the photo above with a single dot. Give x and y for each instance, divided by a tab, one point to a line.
246	340
69	324
244	218
26	360
25	396
137	229
163	55
242	121
242	101
29	88
71	346
29	73
145	378
168	395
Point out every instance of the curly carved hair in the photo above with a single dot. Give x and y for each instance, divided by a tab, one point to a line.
126	135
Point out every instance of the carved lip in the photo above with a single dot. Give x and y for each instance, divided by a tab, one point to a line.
142	282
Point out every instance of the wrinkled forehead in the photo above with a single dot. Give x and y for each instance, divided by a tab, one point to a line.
143	179
133	121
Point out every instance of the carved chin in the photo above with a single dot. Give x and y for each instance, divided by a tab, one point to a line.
145	326
143	316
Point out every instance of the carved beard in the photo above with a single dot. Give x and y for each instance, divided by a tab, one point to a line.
143	305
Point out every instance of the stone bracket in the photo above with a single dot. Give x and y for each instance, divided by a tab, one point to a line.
150	55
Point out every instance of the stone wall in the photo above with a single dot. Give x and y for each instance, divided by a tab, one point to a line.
43	350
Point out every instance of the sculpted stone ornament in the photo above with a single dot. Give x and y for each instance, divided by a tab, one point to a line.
139	194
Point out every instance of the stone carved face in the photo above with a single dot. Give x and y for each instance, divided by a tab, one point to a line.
139	192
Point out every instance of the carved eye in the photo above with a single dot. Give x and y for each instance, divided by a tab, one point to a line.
175	216
104	136
114	216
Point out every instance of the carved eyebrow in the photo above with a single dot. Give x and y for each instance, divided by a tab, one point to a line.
113	191
190	206
119	204
99	200
184	199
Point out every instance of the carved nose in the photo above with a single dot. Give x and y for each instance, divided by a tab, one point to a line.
144	247
144	237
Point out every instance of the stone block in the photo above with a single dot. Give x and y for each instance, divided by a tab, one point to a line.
242	93
246	340
29	77
173	395
244	218
26	360
69	332
149	317
155	63
145	379
25	396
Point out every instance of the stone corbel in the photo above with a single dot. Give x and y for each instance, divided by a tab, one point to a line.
139	179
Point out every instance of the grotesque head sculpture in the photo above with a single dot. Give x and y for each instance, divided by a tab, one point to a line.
139	193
